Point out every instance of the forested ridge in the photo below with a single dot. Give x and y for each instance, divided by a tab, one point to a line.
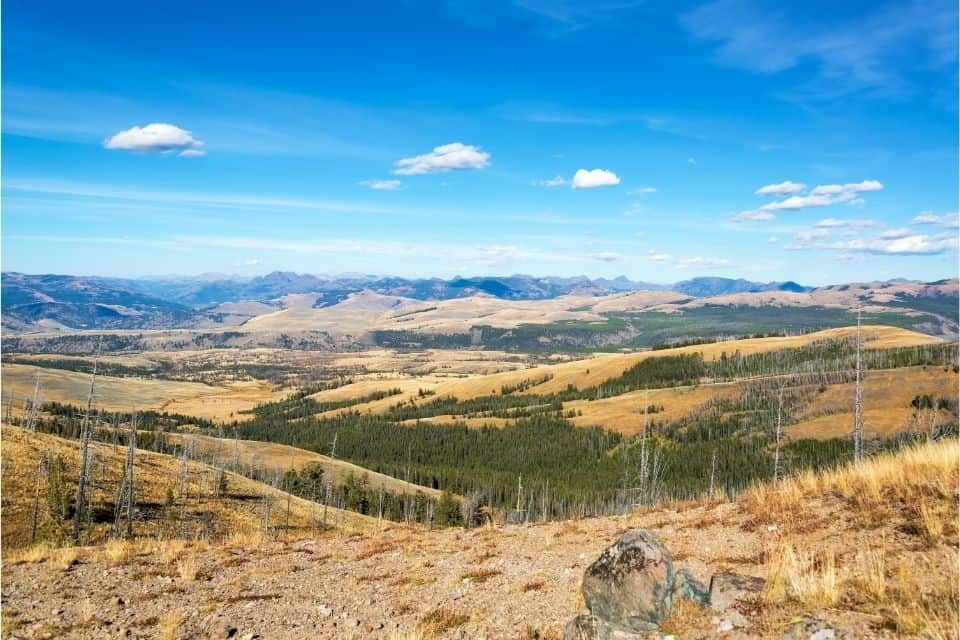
557	469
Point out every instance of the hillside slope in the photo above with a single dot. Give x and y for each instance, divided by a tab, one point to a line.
869	551
194	512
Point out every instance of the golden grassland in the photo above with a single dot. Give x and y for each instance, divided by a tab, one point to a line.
215	402
238	512
887	395
906	570
594	370
270	455
466	374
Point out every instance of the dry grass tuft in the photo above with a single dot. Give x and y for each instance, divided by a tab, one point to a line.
31	555
804	576
684	615
480	575
170	626
869	573
374	548
118	552
64	557
188	568
533	585
933	520
441	620
170	550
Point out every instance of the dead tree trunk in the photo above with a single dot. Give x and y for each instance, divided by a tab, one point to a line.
713	471
34	406
858	397
85	453
776	455
126	499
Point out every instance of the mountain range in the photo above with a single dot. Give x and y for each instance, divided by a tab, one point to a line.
58	302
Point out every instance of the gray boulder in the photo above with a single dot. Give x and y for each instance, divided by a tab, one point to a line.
631	584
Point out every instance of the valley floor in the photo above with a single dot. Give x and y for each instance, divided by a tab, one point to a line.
888	531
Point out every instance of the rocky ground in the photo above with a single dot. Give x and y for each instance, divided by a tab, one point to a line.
835	560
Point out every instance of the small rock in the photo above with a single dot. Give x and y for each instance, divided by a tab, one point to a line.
118	601
223	630
325	611
689	588
728	588
725	625
737	619
809	628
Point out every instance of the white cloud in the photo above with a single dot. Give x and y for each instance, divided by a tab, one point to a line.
382	185
890	242
857	202
929	217
784	188
844	192
252	262
589	179
447	157
753	216
773	240
641	190
917	244
556	181
834	223
156	137
797	202
820	196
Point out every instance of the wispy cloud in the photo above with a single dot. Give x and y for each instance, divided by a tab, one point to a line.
892	242
785	188
243	201
382	185
834	223
859	53
753	216
929	217
605	256
683	263
556	181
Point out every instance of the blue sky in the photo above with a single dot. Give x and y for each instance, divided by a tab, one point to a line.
660	140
